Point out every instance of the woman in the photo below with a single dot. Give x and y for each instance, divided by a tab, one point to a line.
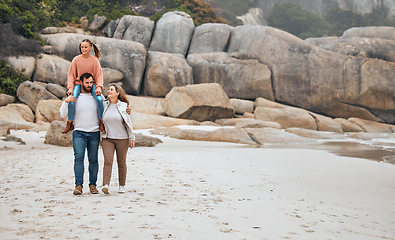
118	136
85	63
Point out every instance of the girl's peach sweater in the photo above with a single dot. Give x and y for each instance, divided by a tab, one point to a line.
81	65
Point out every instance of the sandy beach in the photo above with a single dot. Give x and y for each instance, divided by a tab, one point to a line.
199	190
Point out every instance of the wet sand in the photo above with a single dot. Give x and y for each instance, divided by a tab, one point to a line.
201	190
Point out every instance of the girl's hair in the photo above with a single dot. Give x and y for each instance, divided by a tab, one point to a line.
122	94
97	51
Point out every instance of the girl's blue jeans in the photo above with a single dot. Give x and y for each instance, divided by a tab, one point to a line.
76	93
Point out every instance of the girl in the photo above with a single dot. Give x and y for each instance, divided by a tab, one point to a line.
85	63
118	136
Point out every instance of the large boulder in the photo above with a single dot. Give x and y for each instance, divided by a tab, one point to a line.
97	23
31	93
373	127
56	90
149	105
210	37
16	116
326	123
52	69
146	141
110	28
200	102
355	46
165	71
125	56
6	99
217	134
135	28
48	111
54	135
147	121
246	79
242	106
23	64
286	117
339	85
371	32
348	126
173	33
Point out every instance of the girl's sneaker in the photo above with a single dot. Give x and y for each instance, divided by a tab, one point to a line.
121	189
104	189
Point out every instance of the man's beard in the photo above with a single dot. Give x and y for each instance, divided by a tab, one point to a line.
85	89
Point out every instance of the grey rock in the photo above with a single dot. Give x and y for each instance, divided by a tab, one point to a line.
97	23
173	33
210	37
146	141
242	106
135	28
371	32
56	90
245	79
200	102
165	71
52	69
358	81
110	28
31	93
54	135
6	99
23	64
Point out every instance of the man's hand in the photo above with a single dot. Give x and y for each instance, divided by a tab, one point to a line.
128	110
132	143
70	99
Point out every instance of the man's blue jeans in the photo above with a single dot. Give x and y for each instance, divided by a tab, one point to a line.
90	141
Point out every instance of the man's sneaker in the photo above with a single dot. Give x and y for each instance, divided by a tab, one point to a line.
77	190
121	189
93	189
104	189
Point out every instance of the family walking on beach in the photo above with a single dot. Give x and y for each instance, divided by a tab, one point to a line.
92	117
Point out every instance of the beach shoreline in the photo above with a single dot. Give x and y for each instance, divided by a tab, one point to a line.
201	190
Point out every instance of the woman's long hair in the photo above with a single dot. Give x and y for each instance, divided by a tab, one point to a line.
95	48
122	94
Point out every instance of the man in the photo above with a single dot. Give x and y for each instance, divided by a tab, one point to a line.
86	134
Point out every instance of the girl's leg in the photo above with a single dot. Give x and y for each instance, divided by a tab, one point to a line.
99	101
71	110
76	93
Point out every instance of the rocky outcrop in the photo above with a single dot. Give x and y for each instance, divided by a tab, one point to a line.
135	28
231	135
200	102
322	7
371	32
383	49
165	71
148	121
16	116
242	106
149	105
31	93
253	17
210	37
97	23
52	69
146	141
127	57
292	60
173	33
48	111
246	79
6	99
23	64
54	135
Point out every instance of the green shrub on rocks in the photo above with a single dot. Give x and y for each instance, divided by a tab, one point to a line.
10	79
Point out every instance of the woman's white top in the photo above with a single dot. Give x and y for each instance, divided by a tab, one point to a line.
113	120
111	125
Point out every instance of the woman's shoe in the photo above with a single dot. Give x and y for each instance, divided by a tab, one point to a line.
121	189
104	189
69	127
